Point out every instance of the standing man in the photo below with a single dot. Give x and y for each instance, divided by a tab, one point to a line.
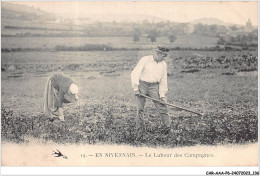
59	89
149	77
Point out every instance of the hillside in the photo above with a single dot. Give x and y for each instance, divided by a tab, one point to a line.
15	11
20	20
124	18
210	21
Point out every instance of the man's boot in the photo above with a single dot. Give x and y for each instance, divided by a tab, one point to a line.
167	131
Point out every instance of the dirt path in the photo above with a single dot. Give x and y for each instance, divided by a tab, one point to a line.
35	154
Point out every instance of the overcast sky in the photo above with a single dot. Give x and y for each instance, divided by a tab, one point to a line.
231	12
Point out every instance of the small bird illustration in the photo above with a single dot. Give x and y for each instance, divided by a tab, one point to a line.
59	154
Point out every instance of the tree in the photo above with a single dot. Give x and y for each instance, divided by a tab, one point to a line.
152	34
152	38
199	29
137	35
243	38
250	37
172	38
213	30
233	28
232	39
221	40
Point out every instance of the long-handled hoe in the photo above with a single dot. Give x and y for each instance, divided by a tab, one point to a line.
172	105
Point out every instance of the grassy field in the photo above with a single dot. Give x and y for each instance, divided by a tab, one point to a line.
188	41
200	81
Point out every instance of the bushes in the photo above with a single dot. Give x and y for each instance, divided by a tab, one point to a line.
244	62
103	47
20	49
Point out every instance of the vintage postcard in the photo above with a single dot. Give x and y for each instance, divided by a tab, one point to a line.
129	83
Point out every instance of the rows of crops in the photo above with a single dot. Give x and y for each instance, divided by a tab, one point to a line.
125	60
97	121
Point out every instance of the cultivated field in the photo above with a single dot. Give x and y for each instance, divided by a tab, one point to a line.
220	84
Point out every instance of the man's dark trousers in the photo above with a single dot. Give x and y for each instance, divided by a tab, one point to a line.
152	90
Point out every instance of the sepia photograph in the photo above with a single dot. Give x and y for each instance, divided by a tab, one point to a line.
124	83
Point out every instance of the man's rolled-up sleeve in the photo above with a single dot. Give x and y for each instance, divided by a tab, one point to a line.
163	85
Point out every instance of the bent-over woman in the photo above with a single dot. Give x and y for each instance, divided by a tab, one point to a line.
59	89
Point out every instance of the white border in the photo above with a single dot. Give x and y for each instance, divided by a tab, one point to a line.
120	170
127	170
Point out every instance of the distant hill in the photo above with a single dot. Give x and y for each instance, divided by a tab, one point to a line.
20	19
23	12
211	21
137	18
20	12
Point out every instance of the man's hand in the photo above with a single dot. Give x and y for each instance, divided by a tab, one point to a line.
137	93
163	99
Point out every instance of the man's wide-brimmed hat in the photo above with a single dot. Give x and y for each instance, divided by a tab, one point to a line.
162	49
